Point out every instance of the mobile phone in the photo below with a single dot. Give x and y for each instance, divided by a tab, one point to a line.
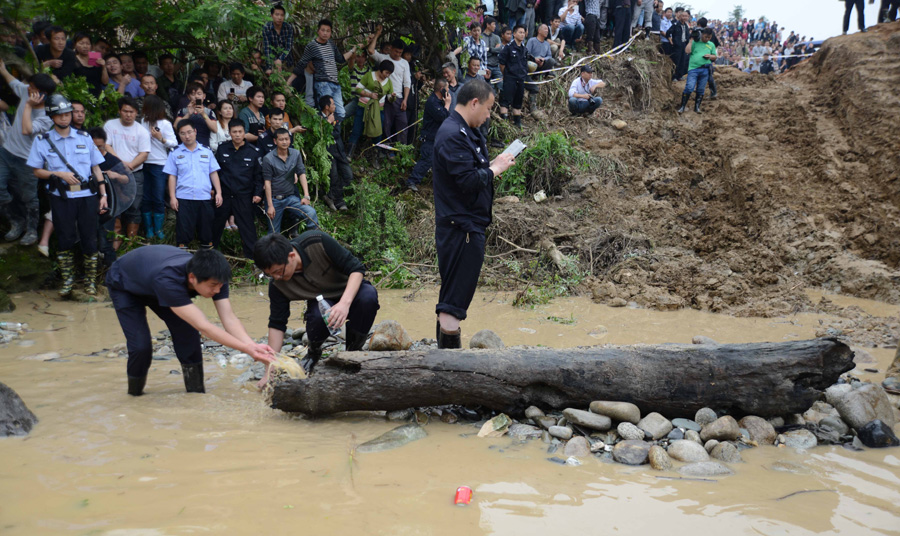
156	129
232	91
198	102
92	58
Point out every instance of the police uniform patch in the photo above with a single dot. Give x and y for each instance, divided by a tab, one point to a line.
181	156
81	146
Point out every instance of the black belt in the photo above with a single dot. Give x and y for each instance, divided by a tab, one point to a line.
281	197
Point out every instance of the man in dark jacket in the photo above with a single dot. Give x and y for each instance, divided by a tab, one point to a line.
437	109
242	187
463	197
767	66
679	34
311	265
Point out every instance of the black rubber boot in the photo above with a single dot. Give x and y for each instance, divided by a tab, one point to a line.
449	341
193	377
685	97
136	385
697	100
355	341
351	151
517	120
312	357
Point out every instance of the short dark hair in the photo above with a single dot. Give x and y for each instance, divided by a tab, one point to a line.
707	31
185	124
166	56
679	9
194	86
275	93
127	101
79	36
271	250
517	26
275	111
54	29
43	82
325	100
277	6
386	65
474	89
145	75
39	26
97	133
505	29
209	264
253	91
398	43
236	123
555	17
473	25
325	22
702	22
236	66
281	131
73	102
488	20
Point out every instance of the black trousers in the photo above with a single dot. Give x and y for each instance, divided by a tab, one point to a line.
592	29
860	13
621	25
132	313
888	10
360	319
680	57
340	176
712	81
243	210
194	217
513	92
460	256
75	218
426	157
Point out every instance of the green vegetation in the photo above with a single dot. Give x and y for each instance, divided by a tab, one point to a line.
546	164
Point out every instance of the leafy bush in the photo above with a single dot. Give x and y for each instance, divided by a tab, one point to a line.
376	235
546	164
98	109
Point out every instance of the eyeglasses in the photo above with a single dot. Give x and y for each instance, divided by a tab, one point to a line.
280	276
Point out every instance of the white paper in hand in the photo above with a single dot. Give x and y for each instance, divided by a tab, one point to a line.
515	148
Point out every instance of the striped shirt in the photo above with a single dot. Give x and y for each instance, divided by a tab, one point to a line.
325	57
277	46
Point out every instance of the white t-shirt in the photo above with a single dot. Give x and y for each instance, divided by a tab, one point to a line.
400	78
569	19
226	87
578	86
219	137
159	150
127	142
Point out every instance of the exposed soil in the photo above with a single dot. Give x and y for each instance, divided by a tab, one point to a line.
783	183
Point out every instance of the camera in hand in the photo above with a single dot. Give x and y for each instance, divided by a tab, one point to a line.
198	102
695	34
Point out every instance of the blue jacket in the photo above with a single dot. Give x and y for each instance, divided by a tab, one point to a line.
463	182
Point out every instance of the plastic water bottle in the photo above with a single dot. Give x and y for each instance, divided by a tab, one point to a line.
13	326
325	309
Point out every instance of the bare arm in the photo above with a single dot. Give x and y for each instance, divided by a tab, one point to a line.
687	49
6	76
139	159
374	39
194	316
172	199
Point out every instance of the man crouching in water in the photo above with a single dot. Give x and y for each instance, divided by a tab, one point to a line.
165	278
311	265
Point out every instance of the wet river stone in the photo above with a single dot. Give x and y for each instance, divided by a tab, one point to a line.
863	404
524	431
578	447
587	419
691	435
877	434
726	452
800	439
687	451
656	425
704	416
545	422
724	429
486	339
687	424
626	430
15	418
836	424
560	432
659	459
631	452
760	430
534	412
390	335
701	469
617	411
395	438
711	444
675	434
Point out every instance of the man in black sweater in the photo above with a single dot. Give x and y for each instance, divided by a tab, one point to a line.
242	187
437	109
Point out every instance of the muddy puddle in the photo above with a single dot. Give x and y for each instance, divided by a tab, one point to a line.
101	462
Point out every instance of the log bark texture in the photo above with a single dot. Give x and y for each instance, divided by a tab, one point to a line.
764	379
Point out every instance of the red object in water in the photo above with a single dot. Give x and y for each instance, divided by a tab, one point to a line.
463	496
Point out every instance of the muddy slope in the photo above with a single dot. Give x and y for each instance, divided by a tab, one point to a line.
783	183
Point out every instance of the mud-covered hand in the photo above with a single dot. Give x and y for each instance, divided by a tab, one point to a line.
262	353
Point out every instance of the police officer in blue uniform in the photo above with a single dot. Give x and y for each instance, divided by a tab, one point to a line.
242	186
463	196
69	164
193	176
514	64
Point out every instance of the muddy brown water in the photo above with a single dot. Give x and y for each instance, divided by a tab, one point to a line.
167	463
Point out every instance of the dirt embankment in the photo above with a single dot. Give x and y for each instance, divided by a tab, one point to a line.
783	183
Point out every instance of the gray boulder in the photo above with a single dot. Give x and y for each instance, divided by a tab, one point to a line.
836	424
687	451
15	417
726	452
626	430
877	434
659	459
560	432
687	424
724	429
390	335
631	452
534	412
705	416
800	439
524	431
587	419
760	429
486	339
617	411
656	425
865	403
578	447
691	435
701	469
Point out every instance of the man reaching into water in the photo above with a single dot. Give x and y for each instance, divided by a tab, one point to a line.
165	279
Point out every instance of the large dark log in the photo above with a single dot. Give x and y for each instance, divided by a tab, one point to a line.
765	379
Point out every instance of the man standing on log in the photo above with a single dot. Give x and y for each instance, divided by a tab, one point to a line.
463	196
165	279
311	265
